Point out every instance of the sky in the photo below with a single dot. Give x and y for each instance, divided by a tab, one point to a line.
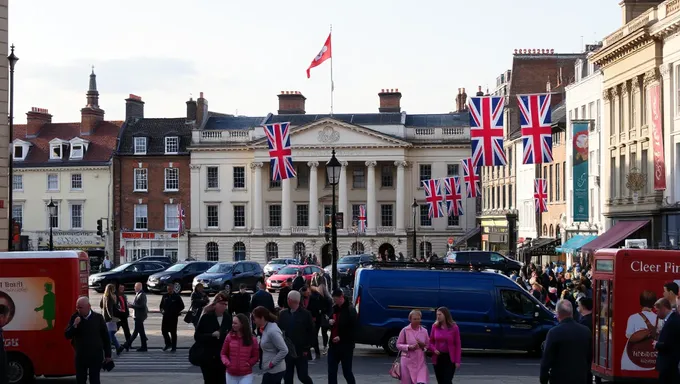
241	54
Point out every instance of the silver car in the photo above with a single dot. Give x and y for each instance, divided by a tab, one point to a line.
275	265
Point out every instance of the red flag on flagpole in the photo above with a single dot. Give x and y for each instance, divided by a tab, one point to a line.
323	55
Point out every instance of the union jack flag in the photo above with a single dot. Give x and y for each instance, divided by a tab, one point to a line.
535	121
180	218
486	130
471	178
434	198
541	195
361	220
278	138
454	196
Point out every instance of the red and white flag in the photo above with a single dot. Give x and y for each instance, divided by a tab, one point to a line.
323	55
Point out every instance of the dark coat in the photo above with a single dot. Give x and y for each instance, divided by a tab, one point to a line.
207	325
668	347
283	297
90	339
587	320
171	304
298	283
239	303
568	354
346	324
319	306
298	327
262	298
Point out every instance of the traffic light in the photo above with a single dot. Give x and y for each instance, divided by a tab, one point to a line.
100	228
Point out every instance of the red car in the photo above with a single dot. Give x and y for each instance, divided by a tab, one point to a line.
278	280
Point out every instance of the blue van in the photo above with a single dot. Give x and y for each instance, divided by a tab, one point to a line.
491	310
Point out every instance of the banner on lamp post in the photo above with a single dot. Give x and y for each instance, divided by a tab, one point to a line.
580	205
657	139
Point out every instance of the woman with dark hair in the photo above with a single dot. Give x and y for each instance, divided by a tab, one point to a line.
274	349
445	346
240	351
211	330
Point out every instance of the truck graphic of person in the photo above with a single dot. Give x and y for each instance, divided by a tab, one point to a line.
48	307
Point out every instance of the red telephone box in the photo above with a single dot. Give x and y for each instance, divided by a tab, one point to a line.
626	284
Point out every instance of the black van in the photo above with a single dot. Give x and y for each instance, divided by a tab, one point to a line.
485	260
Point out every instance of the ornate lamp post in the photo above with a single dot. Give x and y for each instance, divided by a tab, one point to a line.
12	60
333	168
52	210
414	207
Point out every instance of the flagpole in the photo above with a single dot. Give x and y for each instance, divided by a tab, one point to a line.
332	85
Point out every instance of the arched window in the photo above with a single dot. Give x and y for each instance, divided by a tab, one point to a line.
425	249
357	248
299	249
558	234
212	251
239	251
545	229
272	251
552	231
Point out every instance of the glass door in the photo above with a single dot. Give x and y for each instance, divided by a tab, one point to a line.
604	309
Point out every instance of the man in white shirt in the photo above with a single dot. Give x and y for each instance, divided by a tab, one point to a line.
107	264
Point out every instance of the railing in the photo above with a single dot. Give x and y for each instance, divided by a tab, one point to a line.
221	136
635	24
385	229
453	134
299	230
272	230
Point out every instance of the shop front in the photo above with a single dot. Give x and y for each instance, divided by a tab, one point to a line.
670	227
471	239
625	229
494	234
88	241
135	245
572	247
540	251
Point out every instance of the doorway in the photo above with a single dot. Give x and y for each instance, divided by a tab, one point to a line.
326	256
387	247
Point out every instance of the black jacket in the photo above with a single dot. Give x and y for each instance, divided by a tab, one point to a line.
345	317
283	297
262	298
90	339
171	304
239	303
123	299
668	345
568	354
587	320
319	306
298	283
198	301
207	325
298	327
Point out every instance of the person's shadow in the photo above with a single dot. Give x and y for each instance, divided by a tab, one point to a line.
48	307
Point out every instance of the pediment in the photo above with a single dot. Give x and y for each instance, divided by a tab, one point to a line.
330	132
24	143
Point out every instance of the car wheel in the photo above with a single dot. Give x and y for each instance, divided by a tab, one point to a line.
177	286
20	369
390	343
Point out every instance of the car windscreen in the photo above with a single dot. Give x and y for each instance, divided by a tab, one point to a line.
288	271
220	268
349	260
176	267
121	267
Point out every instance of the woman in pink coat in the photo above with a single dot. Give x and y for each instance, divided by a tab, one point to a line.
445	346
412	343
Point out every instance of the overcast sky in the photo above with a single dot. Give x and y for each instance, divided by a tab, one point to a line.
241	54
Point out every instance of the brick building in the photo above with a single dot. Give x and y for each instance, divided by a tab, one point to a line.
151	183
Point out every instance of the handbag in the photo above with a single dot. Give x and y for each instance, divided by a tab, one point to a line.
189	317
292	352
196	354
395	369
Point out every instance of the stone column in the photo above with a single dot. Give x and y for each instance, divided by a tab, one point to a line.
313	198
286	207
371	202
342	198
257	202
401	197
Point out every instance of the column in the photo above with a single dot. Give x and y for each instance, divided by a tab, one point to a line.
401	195
371	203
313	198
342	198
286	207
257	203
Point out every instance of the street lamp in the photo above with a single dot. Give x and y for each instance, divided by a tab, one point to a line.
333	172
52	210
12	59
414	207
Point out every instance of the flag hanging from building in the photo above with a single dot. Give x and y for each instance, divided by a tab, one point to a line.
434	198
541	195
453	196
280	153
361	220
324	54
486	130
471	178
180	218
535	121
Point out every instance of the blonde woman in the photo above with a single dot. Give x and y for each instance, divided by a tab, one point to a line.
412	343
112	314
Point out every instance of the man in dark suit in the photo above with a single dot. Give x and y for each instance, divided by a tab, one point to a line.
297	325
90	339
171	308
124	315
4	315
141	313
262	298
239	302
585	308
668	345
568	354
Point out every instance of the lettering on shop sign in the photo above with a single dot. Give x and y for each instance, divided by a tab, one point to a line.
667	267
11	343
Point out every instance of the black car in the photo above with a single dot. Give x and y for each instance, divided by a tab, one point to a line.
229	276
163	259
128	274
181	275
484	260
347	266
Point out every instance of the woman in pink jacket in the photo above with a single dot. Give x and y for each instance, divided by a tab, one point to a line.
412	343
240	351
445	346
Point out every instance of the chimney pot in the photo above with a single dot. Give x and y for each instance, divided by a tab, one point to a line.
291	103
390	100
134	107
201	95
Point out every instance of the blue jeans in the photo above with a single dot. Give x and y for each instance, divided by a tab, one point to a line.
114	341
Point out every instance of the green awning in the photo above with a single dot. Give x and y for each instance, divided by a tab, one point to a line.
575	243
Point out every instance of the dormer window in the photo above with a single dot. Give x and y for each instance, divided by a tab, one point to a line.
57	148
20	149
19	153
78	148
140	146
171	145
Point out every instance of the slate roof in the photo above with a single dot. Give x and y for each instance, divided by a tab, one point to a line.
155	130
438	120
100	149
216	122
559	114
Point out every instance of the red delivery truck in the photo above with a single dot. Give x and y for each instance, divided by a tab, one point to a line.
40	289
626	284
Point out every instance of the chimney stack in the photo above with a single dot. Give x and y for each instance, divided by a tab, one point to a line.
37	117
201	111
463	101
390	100
134	107
460	91
291	103
191	110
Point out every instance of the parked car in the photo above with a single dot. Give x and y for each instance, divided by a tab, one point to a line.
128	274
277	281
347	266
163	259
181	275
484	259
275	265
229	276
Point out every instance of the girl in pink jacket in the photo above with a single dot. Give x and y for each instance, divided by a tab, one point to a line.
240	351
445	346
412	343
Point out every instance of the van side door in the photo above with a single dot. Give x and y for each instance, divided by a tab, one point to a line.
517	319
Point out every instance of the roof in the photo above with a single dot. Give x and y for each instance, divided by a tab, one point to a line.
102	144
615	235
216	121
390	118
559	114
155	130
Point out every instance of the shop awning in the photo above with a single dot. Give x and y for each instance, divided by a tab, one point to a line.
466	236
575	243
540	247
616	234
